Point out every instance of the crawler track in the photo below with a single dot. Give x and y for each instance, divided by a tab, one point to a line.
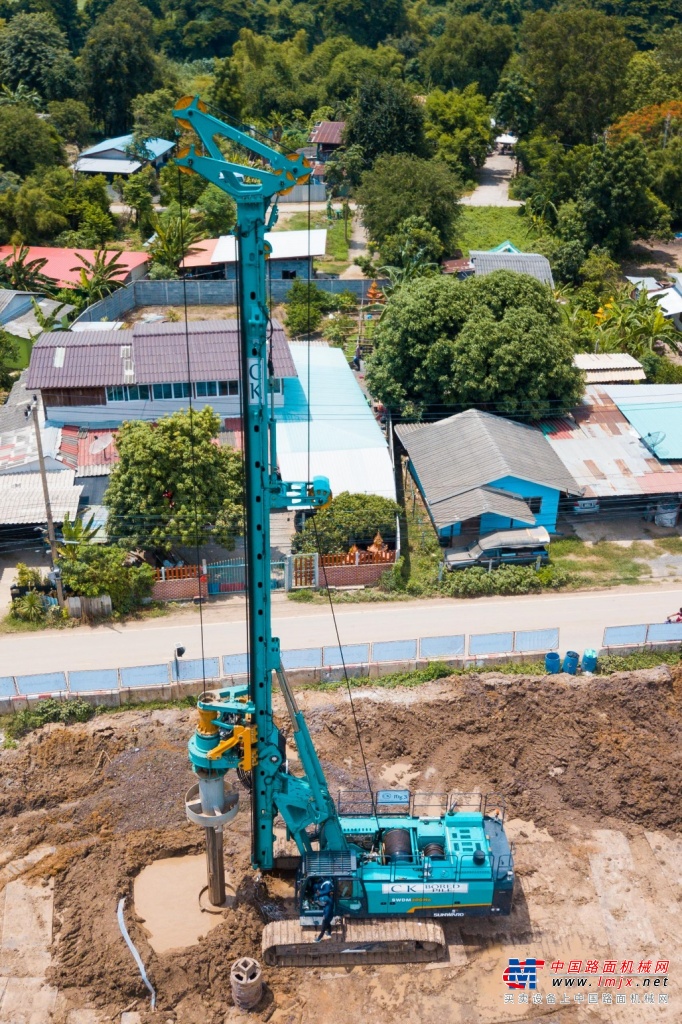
373	941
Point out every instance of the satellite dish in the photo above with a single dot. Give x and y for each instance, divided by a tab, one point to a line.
101	442
653	439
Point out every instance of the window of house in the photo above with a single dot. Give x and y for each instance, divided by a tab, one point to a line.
138	392
288	275
116	394
162	391
206	388
228	388
181	389
535	505
276	385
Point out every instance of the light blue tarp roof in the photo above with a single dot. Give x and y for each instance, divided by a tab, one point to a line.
655	411
157	147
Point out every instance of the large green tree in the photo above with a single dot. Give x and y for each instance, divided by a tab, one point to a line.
576	60
118	63
349	519
26	141
458	124
496	342
34	52
174	484
365	23
385	118
470	51
403	186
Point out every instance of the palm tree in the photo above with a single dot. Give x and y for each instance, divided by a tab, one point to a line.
23	275
22	94
99	277
174	233
76	533
51	321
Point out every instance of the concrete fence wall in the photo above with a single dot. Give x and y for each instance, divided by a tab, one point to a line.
169	680
199	293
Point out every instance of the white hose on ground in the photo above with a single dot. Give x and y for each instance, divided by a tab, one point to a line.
136	955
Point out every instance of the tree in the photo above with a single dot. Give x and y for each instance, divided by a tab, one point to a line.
98	570
74	535
100	276
365	24
383	119
226	93
21	274
471	51
631	325
26	142
153	115
614	203
71	118
218	211
415	241
34	53
458	124
8	358
515	103
403	186
22	94
174	485
576	60
496	341
138	192
349	519
118	63
174	233
655	124
179	188
343	170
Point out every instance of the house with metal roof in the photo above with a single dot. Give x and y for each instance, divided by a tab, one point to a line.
327	136
478	473
327	427
291	255
113	156
520	262
100	378
609	367
63	266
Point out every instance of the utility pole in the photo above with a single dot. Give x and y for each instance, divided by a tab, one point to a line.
32	409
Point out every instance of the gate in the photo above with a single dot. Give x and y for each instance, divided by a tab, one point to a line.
229	577
305	571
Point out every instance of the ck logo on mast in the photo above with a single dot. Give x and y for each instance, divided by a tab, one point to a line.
255	382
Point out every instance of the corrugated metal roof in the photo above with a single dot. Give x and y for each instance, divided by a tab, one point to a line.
202	253
669	299
27	326
604	453
22	501
159	353
157	147
100	165
286	245
346	442
88	452
655	411
328	133
61	262
6	296
605	367
478	502
522	263
473	449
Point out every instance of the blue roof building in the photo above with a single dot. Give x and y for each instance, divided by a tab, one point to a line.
112	156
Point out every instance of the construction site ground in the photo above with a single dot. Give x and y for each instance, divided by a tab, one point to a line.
591	769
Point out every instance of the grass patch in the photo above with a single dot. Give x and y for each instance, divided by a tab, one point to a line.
336	259
671	545
638	659
603	564
484	227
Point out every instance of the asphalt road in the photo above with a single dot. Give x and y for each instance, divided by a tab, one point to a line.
580	617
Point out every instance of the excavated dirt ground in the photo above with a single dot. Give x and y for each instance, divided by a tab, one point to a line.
591	770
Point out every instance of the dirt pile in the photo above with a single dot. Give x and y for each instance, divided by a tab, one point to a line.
109	796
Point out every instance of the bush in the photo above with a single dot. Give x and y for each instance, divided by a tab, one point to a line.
99	570
349	519
30	607
45	711
302	320
28	576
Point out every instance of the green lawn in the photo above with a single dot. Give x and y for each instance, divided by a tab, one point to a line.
484	227
604	564
336	259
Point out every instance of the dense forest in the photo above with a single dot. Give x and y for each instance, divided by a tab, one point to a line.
592	89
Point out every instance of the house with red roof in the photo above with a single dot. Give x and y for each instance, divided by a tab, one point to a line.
63	266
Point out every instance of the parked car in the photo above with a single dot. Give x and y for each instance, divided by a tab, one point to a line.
506	547
586	506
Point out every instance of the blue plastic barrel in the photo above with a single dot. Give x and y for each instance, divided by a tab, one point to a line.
571	662
589	660
552	662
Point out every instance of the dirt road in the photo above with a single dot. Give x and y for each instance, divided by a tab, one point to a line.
592	773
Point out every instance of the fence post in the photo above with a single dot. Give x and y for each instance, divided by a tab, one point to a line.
204	568
316	570
163	573
288	572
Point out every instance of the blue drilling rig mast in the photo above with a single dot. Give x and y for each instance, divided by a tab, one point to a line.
395	862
